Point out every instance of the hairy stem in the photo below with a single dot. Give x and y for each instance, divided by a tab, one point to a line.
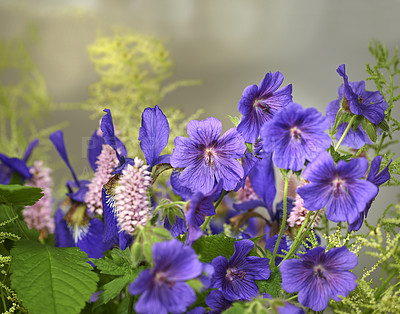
216	204
345	132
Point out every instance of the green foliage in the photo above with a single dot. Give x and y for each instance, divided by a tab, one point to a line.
210	247
24	102
133	69
116	263
272	286
50	279
20	195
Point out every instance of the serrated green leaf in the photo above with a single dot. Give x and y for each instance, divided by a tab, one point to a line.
116	262
51	279
20	194
273	285
208	248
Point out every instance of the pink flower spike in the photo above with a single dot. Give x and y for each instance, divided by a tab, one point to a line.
106	162
131	199
38	216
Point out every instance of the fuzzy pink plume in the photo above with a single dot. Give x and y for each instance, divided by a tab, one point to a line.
38	216
247	193
299	214
131	200
106	162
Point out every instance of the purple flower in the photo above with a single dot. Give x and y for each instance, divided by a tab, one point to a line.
355	139
295	135
357	100
207	157
339	188
163	288
235	279
377	179
201	205
217	302
153	136
259	104
318	276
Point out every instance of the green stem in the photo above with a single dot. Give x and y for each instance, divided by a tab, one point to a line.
384	284
272	261
345	132
337	121
216	204
130	306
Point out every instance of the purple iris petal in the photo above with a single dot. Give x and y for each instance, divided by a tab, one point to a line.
29	149
91	242
371	105
57	138
107	127
377	179
339	188
295	135
110	218
62	234
13	164
79	195
94	149
162	288
153	134
208	159
318	276
284	245
259	104
184	192
235	279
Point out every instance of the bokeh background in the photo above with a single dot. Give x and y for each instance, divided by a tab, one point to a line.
226	44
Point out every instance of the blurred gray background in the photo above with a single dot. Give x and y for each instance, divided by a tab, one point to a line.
227	44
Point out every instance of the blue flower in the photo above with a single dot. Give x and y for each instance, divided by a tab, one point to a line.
235	279
73	225
217	302
340	188
358	101
9	165
377	179
208	158
163	288
295	135
260	103
318	276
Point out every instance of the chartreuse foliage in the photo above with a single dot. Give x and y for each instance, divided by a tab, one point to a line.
50	279
133	70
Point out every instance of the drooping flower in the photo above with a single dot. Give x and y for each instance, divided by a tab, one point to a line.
200	206
131	199
358	101
260	103
208	158
377	179
39	215
340	188
318	276
355	139
295	135
235	278
163	288
105	165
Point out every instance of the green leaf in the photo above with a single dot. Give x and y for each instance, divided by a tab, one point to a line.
50	279
384	126
273	285
20	194
213	246
171	217
236	308
371	131
357	122
16	226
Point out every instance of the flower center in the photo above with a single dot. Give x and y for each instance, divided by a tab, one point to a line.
295	133
338	184
319	271
263	107
161	279
233	274
208	155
